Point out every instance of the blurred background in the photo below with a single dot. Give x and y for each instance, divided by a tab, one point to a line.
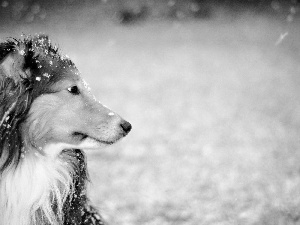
212	91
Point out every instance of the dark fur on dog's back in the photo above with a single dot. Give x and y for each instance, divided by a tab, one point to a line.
17	94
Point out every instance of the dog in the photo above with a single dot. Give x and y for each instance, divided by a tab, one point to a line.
47	117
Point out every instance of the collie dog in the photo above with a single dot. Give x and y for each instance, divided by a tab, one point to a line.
47	117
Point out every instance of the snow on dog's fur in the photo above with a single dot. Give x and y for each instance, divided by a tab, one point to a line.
47	116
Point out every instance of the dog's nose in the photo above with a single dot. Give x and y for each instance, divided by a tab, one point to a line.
126	126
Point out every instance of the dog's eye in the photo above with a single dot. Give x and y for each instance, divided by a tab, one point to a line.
74	90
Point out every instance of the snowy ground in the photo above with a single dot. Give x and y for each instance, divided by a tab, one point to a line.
215	109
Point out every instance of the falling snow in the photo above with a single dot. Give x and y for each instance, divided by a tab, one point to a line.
46	75
85	84
281	38
22	52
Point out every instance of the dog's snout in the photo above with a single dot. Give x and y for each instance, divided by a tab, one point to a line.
126	126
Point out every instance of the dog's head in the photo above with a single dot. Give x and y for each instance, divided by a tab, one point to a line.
47	105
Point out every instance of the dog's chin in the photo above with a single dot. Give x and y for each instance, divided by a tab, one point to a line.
93	143
86	143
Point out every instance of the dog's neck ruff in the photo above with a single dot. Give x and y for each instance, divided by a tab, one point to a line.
34	191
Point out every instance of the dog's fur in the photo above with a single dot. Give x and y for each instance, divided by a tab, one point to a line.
47	117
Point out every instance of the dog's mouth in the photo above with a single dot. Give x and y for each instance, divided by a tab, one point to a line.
82	136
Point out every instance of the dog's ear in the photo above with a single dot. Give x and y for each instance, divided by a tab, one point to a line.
12	66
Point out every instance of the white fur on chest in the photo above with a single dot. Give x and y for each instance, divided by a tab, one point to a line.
32	186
